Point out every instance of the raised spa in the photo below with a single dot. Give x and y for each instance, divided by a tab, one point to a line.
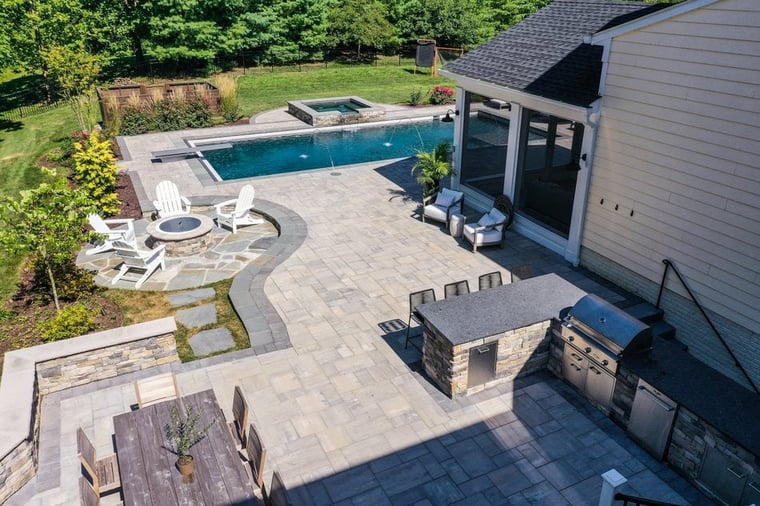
183	235
335	111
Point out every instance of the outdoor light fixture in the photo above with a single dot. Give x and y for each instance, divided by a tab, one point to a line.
448	118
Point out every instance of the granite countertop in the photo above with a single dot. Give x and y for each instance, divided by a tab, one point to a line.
496	310
721	402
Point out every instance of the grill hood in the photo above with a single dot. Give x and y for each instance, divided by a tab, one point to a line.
615	329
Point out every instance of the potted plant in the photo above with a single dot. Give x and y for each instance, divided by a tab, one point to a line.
182	432
432	167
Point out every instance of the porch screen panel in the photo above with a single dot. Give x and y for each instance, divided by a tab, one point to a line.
548	164
484	146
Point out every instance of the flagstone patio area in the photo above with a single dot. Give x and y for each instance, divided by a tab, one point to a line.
345	414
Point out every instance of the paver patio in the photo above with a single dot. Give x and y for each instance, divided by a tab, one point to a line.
345	417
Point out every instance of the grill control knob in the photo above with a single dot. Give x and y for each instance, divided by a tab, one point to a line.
605	362
587	349
571	338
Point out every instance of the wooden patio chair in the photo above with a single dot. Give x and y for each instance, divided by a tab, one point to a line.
87	494
169	202
239	424
147	261
277	495
111	230
235	213
257	454
104	473
417	299
456	288
155	389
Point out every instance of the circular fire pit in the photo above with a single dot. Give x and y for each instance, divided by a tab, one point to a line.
183	235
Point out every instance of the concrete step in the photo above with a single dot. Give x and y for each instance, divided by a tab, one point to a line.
645	312
663	329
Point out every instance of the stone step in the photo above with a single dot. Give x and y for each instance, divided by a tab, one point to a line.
645	312
663	329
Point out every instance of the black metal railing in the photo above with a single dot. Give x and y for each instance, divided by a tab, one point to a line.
640	501
668	266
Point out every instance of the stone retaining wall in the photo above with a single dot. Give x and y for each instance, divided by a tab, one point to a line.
30	373
65	372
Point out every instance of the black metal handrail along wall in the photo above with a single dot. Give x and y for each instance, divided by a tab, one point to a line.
640	501
669	265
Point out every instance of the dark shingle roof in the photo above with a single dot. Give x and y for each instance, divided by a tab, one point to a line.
545	55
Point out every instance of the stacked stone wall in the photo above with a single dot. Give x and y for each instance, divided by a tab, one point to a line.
30	373
519	352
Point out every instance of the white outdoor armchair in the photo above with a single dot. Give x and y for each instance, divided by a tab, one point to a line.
235	213
446	203
141	260
169	202
488	230
111	230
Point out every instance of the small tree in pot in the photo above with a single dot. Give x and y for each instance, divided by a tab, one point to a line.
432	167
182	433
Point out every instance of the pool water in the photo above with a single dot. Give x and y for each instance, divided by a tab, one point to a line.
293	153
341	107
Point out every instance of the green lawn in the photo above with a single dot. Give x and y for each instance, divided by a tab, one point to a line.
24	142
389	84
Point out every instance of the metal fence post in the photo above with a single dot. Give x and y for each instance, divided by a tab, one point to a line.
611	482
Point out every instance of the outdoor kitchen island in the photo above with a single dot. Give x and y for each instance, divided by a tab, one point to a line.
481	339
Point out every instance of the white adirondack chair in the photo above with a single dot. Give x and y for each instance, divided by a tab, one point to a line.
169	202
111	230
235	213
141	260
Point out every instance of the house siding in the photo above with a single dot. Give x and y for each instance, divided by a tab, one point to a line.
676	174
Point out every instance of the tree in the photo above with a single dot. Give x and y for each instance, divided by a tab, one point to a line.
39	25
75	73
360	23
452	23
301	28
505	14
47	222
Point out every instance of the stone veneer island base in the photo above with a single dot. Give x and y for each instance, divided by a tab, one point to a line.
516	319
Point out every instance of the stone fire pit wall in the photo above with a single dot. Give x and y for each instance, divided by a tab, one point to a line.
519	352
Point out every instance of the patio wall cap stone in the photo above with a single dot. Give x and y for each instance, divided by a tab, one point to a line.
17	386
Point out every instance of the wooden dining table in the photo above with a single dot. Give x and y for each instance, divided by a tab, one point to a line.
148	472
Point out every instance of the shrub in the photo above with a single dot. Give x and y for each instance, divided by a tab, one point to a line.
228	97
72	282
165	115
441	95
197	113
95	172
415	97
136	120
71	321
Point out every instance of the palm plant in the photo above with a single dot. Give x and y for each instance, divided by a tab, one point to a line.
432	167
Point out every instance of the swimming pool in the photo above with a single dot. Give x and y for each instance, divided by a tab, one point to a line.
331	147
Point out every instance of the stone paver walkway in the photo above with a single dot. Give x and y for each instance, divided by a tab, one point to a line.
344	414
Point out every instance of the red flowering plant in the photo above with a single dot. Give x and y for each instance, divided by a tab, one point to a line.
441	95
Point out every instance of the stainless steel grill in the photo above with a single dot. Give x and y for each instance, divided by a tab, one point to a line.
597	336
